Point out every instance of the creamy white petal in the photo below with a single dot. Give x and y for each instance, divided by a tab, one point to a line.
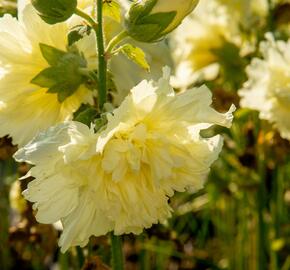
268	87
150	148
26	108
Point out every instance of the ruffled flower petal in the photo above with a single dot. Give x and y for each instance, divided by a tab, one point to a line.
268	87
27	108
121	178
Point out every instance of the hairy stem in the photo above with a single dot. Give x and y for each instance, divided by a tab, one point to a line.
102	71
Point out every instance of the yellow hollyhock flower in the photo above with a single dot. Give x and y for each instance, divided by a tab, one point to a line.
268	87
213	24
125	73
248	13
121	178
194	41
27	108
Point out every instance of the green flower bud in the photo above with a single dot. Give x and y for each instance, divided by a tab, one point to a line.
55	11
151	20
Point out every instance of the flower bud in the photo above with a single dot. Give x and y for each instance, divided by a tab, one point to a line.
150	20
55	11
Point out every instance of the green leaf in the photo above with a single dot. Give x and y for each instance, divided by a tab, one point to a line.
112	10
100	122
136	55
91	79
64	76
73	37
77	33
46	78
51	54
145	32
162	19
63	90
85	114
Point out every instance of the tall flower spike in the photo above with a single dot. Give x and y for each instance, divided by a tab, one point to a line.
121	178
268	87
27	108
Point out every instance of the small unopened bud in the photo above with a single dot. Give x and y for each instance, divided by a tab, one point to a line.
55	11
151	20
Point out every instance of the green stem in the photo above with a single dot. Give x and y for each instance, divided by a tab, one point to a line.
8	170
117	253
261	206
115	41
88	18
270	19
102	71
261	245
80	257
